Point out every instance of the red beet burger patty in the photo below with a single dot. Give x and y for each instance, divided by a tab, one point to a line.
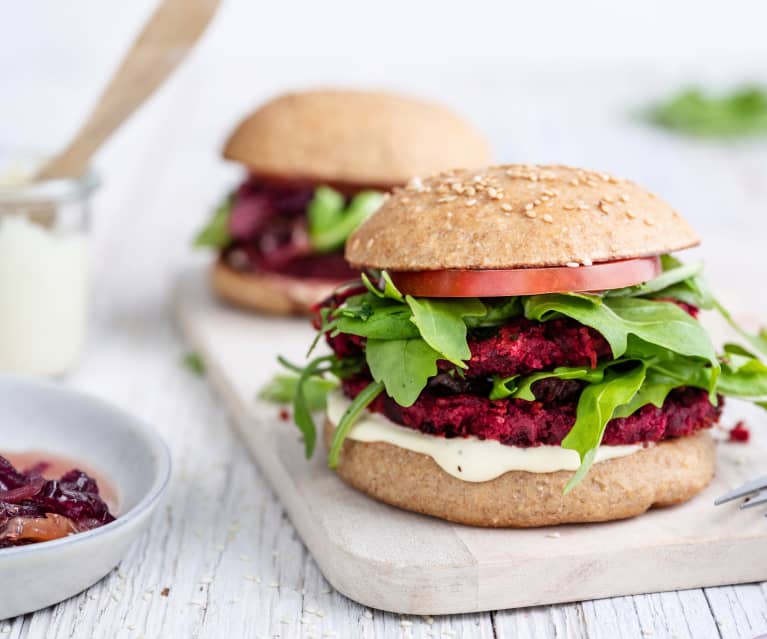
454	406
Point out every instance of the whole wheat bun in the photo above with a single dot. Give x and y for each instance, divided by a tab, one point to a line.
269	292
516	216
666	474
355	137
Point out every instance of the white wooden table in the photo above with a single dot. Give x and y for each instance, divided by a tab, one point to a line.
221	559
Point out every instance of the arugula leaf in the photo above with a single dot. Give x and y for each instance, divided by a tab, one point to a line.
390	322
660	323
441	324
302	412
330	223
403	366
498	311
524	388
358	404
743	374
676	275
692	290
389	291
596	406
758	340
216	234
282	390
685	284
654	390
326	326
742	113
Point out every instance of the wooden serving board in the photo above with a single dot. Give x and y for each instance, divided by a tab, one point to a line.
403	562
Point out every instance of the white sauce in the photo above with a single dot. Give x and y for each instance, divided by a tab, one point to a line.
43	289
469	458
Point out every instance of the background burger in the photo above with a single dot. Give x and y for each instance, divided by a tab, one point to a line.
318	164
524	352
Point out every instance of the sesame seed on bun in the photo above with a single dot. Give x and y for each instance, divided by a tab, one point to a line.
354	137
516	216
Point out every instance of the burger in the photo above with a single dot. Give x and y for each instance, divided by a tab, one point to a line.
522	350
318	164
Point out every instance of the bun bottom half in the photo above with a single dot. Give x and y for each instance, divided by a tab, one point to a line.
269	292
668	473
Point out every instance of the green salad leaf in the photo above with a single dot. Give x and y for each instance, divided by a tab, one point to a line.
385	321
389	291
442	326
403	366
596	406
756	340
358	404
331	222
741	113
302	411
657	323
518	387
215	234
743	374
283	388
674	273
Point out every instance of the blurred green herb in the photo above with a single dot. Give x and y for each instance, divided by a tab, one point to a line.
215	234
741	113
282	390
194	362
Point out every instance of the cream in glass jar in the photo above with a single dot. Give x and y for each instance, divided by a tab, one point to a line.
44	274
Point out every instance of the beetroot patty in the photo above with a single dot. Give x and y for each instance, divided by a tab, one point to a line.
520	347
523	346
518	422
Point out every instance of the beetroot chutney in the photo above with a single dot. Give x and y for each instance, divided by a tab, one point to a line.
268	226
35	507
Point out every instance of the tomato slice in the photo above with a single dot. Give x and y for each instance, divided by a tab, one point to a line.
526	281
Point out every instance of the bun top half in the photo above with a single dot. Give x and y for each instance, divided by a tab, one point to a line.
516	216
355	137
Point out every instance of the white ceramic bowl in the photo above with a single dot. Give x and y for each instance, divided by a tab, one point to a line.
45	417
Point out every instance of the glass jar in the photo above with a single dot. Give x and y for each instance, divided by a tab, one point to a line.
44	274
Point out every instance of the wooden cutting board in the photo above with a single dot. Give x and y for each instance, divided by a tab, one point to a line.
403	562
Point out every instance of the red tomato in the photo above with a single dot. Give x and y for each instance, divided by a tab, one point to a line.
526	281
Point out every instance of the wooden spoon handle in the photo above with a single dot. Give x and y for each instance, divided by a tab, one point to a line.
166	39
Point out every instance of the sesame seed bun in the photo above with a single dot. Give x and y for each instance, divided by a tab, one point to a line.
269	292
666	474
516	216
354	137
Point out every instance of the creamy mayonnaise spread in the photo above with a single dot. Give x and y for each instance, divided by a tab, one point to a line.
43	291
467	458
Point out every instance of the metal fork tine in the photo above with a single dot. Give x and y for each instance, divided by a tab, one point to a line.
756	500
753	486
